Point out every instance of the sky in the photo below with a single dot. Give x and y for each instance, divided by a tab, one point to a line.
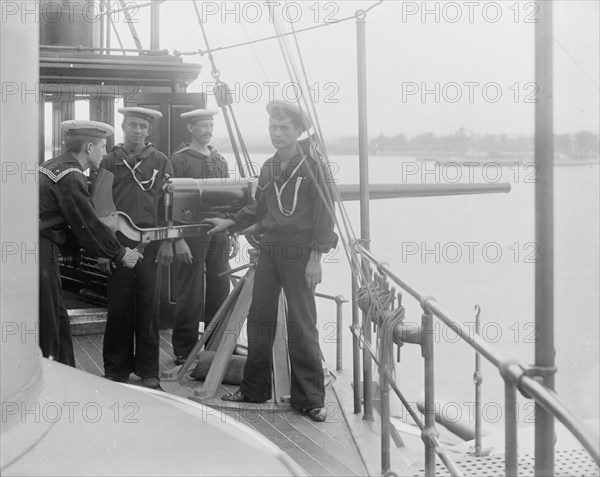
431	66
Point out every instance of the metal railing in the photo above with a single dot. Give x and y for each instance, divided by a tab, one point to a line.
383	311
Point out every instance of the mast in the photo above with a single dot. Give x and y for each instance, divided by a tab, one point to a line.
155	25
363	155
544	235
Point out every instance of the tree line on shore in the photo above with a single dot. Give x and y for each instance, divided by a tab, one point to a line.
463	143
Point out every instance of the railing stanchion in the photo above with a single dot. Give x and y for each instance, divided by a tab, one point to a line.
385	416
339	320
355	342
429	430
544	232
510	429
367	369
478	379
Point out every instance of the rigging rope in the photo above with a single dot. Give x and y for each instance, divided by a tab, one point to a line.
222	100
357	268
273	37
329	194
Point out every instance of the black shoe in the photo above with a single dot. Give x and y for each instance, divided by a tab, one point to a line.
179	360
317	414
152	383
236	396
118	379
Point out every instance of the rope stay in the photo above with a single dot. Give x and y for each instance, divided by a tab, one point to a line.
331	194
274	37
224	101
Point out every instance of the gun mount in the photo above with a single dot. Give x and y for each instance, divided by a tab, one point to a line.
186	202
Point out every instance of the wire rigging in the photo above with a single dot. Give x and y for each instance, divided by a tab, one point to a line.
357	268
572	58
223	100
274	37
330	195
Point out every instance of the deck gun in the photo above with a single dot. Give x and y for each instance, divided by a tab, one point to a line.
186	203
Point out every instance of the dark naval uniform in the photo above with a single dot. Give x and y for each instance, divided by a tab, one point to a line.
295	220
209	251
66	214
131	339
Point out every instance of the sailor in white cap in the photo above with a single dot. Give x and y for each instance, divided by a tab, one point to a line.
297	220
67	217
131	339
195	302
92	135
281	108
143	113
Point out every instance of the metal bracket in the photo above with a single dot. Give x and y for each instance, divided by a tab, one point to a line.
534	371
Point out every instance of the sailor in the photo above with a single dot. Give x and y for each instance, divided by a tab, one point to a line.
297	219
195	301
131	339
67	217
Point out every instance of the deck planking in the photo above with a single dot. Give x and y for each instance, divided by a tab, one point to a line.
321	449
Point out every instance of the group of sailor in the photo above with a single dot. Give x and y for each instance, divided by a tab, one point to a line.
291	210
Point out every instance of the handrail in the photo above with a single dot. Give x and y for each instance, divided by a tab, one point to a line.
339	301
94	48
515	375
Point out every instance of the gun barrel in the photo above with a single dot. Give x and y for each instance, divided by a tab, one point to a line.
195	199
393	191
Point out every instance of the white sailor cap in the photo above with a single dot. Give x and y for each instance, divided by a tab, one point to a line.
289	110
142	113
78	127
199	114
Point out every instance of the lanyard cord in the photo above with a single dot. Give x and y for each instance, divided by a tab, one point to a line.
138	182
279	192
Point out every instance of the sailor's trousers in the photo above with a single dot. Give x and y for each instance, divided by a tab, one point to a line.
282	264
131	339
55	328
195	302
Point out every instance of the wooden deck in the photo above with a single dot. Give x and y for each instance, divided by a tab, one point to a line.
321	449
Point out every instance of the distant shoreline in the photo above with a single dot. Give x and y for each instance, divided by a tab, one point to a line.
503	159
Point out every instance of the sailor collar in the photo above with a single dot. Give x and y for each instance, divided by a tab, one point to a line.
61	166
188	149
147	184
143	154
299	157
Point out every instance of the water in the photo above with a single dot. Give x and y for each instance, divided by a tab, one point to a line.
468	250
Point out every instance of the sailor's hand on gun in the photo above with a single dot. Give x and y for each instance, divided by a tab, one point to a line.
183	252
165	253
105	264
131	258
220	225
